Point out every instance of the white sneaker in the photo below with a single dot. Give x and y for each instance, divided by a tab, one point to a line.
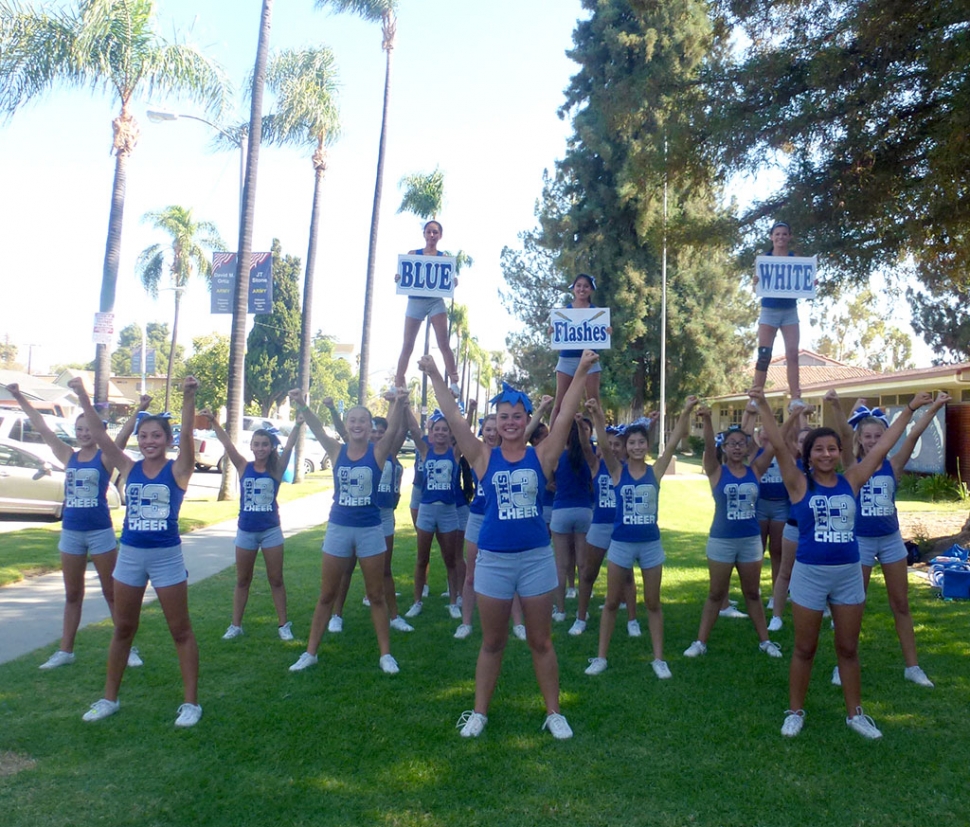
597	666
770	648
101	709
771	603
796	405
633	628
570	594
578	627
59	658
661	670
557	616
695	649
775	624
389	665
415	609
445	594
558	726
917	675
455	390
134	659
286	630
455	611
793	723
335	625
401	624
463	631
305	660
471	724
189	715
425	592
732	612
232	631
519	631
836	677
863	724
827	611
366	601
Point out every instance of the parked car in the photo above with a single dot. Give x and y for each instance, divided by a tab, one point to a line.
16	427
209	453
29	484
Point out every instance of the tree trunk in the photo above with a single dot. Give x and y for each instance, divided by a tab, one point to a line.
237	342
171	352
306	328
375	217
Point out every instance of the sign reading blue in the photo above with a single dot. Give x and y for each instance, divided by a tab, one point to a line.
581	328
426	276
785	277
224	281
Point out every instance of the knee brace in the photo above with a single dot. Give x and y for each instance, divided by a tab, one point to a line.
764	358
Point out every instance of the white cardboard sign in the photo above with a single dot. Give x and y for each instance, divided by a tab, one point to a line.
580	328
786	277
428	277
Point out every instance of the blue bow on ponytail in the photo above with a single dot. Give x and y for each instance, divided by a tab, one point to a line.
862	413
513	397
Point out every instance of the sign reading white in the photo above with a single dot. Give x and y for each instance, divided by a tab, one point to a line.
429	277
581	328
786	277
104	328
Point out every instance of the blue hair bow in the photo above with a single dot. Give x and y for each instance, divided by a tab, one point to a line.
274	436
143	415
513	397
436	416
862	413
732	429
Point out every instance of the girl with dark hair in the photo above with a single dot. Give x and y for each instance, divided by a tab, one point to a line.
583	286
636	536
259	519
151	548
827	566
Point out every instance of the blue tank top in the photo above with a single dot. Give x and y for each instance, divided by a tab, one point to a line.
636	507
419	469
826	525
258	510
776	302
573	489
389	487
86	495
439	477
477	505
355	490
735	505
152	516
877	504
513	512
604	497
573	354
772	485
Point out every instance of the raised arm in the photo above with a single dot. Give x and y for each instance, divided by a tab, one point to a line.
238	461
338	423
613	465
901	457
185	461
330	445
679	432
475	451
414	428
393	437
793	478
552	446
841	424
711	466
116	457
545	405
290	445
867	466
61	449
129	427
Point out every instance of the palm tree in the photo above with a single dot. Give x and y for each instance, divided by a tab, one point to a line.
112	46
423	194
187	254
305	85
385	11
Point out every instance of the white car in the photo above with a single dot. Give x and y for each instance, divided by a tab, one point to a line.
29	484
16	427
209	452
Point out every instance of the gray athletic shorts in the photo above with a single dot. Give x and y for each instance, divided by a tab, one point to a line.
82	543
437	517
814	586
528	573
473	528
253	540
778	316
790	533
599	535
463	512
346	541
886	549
416	492
571	520
627	555
775	511
735	549
420	308
387	521
163	566
570	364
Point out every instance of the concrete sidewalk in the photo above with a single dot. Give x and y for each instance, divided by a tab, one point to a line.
32	611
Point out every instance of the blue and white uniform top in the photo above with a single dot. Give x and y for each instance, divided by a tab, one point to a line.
418	481
735	505
573	488
877	504
604	497
355	490
477	505
86	495
826	525
777	302
258	510
513	506
389	486
439	477
772	486
636	507
152	515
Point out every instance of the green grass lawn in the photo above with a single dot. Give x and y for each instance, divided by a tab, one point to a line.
344	744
